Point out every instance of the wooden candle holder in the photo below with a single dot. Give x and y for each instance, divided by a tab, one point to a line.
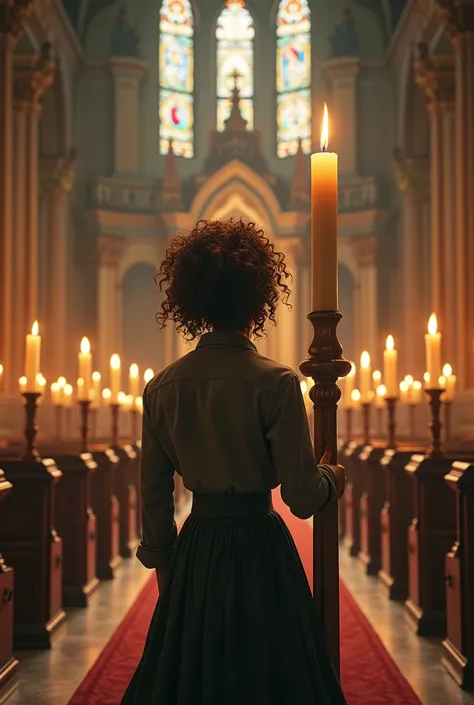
366	407
392	423
31	429
325	365
435	402
84	406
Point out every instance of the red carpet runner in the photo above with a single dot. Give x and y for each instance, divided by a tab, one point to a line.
369	675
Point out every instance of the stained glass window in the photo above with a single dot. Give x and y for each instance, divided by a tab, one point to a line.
293	77
176	60
235	33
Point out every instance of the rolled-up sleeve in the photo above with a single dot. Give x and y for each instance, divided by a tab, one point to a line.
306	487
159	530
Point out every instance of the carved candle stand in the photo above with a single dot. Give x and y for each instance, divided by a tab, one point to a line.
436	449
58	422
84	406
325	365
348	411
31	429
447	420
366	406
115	409
392	423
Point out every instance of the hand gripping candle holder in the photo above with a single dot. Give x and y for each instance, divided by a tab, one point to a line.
84	405
435	402
325	365
31	429
392	423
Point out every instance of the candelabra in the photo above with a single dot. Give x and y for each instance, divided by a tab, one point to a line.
84	405
366	406
434	395
325	365
392	423
31	429
115	408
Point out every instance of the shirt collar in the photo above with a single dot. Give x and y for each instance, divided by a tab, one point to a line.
224	338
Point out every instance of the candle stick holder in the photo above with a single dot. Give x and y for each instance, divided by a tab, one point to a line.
58	422
31	429
436	449
325	365
412	420
392	423
134	424
84	405
447	420
366	407
115	409
348	411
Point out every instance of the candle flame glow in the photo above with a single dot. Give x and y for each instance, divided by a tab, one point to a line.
427	378
85	346
96	377
62	382
121	397
1	369
447	370
55	387
433	324
376	375
417	384
442	381
148	375
134	370
35	328
353	370
68	390
115	362
304	387
390	343
365	359
355	395
381	390
106	394
403	386
325	130
409	380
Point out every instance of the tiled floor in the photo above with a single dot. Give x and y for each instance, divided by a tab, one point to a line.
51	677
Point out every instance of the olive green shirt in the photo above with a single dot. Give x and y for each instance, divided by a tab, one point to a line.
228	420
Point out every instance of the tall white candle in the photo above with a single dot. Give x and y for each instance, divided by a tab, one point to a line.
365	378
433	349
33	357
148	375
134	381
96	389
115	377
416	393
450	392
390	367
324	210
380	394
85	369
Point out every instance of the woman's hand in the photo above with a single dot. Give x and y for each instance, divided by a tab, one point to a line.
161	577
339	471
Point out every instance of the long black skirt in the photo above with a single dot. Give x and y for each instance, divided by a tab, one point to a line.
236	624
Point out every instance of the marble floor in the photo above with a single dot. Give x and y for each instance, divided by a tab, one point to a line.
51	677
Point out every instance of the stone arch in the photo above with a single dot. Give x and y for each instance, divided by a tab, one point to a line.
146	252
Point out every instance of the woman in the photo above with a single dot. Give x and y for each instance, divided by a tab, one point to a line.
235	623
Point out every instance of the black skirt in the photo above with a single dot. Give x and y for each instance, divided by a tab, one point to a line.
236	624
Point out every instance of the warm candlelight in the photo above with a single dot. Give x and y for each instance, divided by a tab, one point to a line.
450	392
427	380
390	365
416	393
33	355
22	384
347	385
139	404
115	377
134	380
376	379
106	395
67	395
55	394
380	394
40	383
121	398
85	369
62	382
80	389
96	390
365	378
1	378
148	375
404	392
433	349
324	208
355	398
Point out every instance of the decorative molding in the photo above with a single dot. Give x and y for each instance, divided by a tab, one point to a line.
33	76
458	16
435	74
110	250
57	174
114	194
13	17
412	174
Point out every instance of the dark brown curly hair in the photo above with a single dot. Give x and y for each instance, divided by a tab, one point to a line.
224	275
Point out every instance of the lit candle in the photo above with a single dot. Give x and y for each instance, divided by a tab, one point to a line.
121	398
40	383
67	395
134	380
450	383
106	396
33	355
427	380
347	384
85	369
148	375
96	391
324	207
139	404
22	384
55	394
80	389
433	349
416	393
115	377
355	398
404	392
390	367
376	379
1	378
365	378
380	394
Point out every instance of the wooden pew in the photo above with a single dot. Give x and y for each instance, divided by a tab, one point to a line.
31	545
8	663
126	490
431	535
371	503
395	519
106	508
352	496
458	647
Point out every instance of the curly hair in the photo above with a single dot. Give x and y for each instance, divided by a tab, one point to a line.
224	275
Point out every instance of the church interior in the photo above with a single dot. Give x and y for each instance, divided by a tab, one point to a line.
123	122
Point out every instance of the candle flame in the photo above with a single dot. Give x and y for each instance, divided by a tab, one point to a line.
115	362
417	385
427	378
85	346
134	370
403	386
447	370
40	380
325	130
433	324
376	375
35	328
381	390
442	381
390	343
106	393
139	403
55	387
355	395
409	380
148	375
121	397
68	390
365	359
22	381
80	382
96	377
62	382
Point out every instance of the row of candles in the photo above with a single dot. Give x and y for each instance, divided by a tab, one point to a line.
89	382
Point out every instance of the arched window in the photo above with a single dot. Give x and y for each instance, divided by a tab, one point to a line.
176	56
293	77
235	33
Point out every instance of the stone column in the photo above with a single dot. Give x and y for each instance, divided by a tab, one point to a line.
366	304
435	75
413	182
128	74
57	179
12	21
459	18
342	75
110	254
